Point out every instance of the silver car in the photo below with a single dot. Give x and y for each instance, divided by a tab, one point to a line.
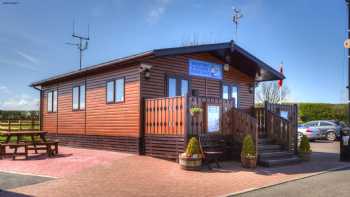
320	129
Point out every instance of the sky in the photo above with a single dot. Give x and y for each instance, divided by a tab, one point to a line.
306	35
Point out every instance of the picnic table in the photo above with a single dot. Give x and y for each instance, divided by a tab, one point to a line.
32	135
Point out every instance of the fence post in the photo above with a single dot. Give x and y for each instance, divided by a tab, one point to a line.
9	125
295	128
20	125
266	117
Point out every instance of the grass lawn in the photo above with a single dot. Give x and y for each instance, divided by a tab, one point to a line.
19	125
13	139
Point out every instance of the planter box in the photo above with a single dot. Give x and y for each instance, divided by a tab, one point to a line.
248	162
190	163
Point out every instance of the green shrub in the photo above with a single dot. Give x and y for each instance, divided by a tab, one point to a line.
196	110
304	146
193	147
248	148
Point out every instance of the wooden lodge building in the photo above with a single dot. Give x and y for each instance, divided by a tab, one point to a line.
141	103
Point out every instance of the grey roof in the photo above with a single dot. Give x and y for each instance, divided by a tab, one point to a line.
257	67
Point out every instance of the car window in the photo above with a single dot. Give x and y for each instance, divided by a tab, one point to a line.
325	124
311	124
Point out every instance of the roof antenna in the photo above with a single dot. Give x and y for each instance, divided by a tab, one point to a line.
237	15
82	44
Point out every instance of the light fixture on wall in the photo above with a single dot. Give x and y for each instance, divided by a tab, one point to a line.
146	69
147	73
226	67
252	88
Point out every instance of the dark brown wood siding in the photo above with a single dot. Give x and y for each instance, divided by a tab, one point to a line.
98	118
155	86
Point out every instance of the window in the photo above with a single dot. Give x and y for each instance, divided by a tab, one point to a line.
79	97
52	101
184	87
234	94
177	86
325	124
171	87
115	91
110	92
225	92
231	92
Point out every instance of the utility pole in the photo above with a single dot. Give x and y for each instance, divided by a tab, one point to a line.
80	45
346	44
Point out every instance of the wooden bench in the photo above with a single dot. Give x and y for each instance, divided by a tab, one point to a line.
213	148
51	147
15	152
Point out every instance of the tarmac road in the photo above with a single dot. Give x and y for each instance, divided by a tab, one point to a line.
334	183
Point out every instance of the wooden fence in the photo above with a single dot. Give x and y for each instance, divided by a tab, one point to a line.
165	124
165	116
282	130
19	125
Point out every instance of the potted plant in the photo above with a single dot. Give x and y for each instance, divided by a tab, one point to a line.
192	158
304	149
248	154
195	110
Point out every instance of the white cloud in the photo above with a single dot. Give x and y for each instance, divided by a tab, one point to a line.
22	102
4	89
28	57
157	10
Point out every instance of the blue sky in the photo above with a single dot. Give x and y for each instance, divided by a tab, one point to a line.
306	35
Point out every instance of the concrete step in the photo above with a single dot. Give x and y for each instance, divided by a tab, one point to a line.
264	147
264	141
279	161
275	154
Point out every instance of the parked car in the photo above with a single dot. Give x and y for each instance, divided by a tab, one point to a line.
310	130
321	129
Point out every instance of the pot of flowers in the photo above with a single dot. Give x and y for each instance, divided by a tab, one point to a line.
248	154
304	149
192	158
195	111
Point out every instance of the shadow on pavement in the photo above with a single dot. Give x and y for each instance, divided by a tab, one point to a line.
4	193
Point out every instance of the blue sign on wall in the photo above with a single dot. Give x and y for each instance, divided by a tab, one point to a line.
204	69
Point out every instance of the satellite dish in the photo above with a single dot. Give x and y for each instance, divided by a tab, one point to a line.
347	43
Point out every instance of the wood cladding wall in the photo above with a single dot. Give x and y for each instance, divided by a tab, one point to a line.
98	118
156	85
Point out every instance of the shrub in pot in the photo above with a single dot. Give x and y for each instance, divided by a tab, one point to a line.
195	111
304	149
192	158
248	154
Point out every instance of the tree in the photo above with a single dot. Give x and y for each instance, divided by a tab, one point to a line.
269	91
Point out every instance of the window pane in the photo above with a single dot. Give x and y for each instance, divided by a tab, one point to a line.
225	92
110	91
171	87
75	98
82	97
55	101
184	87
119	89
49	101
234	94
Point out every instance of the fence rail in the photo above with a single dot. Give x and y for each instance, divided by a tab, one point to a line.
19	125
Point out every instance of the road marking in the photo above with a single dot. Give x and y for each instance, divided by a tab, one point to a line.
28	174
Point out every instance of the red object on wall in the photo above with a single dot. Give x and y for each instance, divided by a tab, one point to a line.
280	82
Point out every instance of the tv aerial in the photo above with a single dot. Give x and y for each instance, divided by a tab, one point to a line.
82	43
237	15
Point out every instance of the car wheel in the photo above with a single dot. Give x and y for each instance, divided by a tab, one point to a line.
331	136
